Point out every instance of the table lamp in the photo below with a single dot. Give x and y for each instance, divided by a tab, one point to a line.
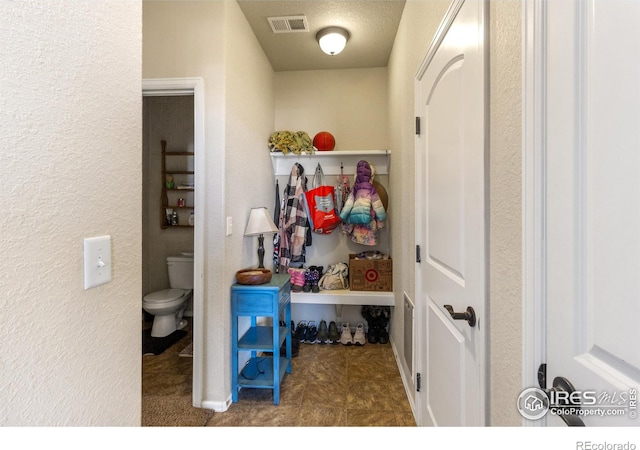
260	223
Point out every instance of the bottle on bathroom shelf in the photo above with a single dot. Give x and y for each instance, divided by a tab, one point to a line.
174	218
192	219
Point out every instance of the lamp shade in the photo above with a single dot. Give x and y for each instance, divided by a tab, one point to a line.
259	222
332	40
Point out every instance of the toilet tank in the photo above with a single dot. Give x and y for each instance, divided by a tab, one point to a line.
180	270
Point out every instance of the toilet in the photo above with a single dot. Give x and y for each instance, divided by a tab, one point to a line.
168	305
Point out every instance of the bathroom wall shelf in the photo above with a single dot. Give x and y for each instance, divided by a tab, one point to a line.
178	160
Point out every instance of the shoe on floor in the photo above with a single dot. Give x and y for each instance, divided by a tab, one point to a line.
345	335
295	348
323	333
334	335
301	330
383	337
373	335
359	337
312	333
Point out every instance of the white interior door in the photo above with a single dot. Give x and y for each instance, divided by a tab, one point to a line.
592	215
450	216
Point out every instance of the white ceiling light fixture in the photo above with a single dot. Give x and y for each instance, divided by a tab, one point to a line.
332	40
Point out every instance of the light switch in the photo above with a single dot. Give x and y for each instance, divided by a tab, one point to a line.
97	261
229	226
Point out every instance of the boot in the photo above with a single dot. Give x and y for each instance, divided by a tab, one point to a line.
307	279
316	272
383	334
373	334
385	317
372	327
297	279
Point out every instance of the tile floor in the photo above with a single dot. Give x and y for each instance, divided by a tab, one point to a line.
330	385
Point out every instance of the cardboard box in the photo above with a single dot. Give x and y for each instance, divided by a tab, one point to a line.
370	274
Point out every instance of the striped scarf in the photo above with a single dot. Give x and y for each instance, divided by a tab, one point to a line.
294	222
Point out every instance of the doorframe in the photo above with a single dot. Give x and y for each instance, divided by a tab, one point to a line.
534	208
195	87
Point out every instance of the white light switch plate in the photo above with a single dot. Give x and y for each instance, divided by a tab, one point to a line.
97	261
229	226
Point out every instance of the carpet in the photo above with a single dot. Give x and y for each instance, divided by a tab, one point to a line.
155	345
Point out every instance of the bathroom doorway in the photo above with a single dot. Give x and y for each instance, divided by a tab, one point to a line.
174	109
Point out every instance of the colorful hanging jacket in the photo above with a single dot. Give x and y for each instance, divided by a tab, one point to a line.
294	222
364	234
363	203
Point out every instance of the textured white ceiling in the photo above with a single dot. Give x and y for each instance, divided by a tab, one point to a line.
372	25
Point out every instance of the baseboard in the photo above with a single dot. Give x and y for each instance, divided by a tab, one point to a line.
408	385
216	406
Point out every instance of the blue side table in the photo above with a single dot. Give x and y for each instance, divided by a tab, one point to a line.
270	300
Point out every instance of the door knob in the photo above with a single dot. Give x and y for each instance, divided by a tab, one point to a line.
561	384
469	315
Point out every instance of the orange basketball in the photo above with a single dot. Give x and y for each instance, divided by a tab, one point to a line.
324	141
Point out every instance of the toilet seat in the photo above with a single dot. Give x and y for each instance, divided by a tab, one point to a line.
165	295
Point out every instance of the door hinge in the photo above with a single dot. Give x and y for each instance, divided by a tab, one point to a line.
542	376
418	126
418	258
418	382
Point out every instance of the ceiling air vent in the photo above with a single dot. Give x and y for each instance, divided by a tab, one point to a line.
288	24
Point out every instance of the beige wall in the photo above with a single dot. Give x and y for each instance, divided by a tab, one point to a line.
351	104
249	180
71	157
212	40
505	216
